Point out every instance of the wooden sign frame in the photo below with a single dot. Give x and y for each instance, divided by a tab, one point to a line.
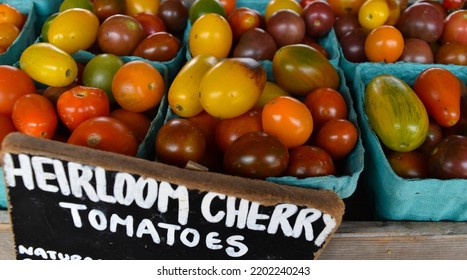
70	202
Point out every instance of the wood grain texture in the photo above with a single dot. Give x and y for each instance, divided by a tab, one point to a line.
359	241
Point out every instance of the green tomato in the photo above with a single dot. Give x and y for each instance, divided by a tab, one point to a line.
99	72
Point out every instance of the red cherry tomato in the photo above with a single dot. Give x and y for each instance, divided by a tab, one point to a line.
35	115
80	103
338	137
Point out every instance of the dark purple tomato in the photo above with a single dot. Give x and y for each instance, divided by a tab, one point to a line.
160	46
286	27
120	34
416	50
256	155
106	8
421	20
353	45
257	44
411	164
174	14
344	24
449	159
319	18
434	135
310	161
451	53
179	141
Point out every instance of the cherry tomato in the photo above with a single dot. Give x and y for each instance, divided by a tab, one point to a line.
160	46
100	71
384	44
81	103
242	19
35	115
232	87
229	130
319	18
229	6
452	5
256	155
179	141
210	34
338	137
8	34
139	123
325	104
440	91
202	7
310	161
49	65
134	7
373	13
433	137
343	7
207	124
175	16
10	14
106	8
275	5
138	86
451	53
151	23
288	119
71	4
14	83
411	164
46	26
102	132
455	27
71	37
270	91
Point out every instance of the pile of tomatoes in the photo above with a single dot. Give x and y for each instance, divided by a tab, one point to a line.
11	24
389	31
423	126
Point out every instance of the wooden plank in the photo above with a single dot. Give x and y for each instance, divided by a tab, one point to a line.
360	240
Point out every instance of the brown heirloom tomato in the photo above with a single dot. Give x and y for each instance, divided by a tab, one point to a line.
256	155
310	161
440	91
179	141
411	164
160	46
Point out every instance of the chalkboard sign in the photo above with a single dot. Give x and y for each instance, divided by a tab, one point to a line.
69	202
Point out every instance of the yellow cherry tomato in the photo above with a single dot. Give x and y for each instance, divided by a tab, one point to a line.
73	30
232	87
373	13
210	34
134	7
49	65
276	5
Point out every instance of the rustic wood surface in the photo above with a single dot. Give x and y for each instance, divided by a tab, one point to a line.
359	240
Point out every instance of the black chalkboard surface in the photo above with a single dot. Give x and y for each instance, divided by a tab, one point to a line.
68	202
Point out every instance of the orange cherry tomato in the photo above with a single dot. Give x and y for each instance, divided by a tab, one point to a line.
139	123
14	83
288	119
338	137
10	14
34	114
384	44
105	133
80	103
8	34
138	86
326	104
